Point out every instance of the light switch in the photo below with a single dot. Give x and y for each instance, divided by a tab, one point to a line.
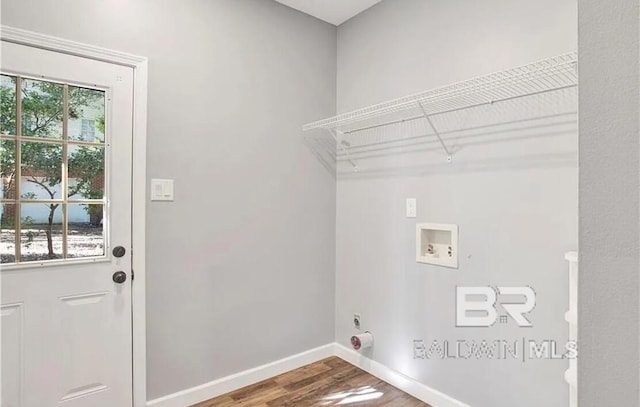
411	207
161	189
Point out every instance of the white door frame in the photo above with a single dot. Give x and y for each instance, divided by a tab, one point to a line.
138	238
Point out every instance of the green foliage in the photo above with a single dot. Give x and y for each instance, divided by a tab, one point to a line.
42	116
42	165
88	161
27	222
41	109
86	165
42	113
8	105
100	124
7	165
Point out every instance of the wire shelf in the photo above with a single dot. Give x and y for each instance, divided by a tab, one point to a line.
421	113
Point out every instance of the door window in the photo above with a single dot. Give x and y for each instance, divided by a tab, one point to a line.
52	170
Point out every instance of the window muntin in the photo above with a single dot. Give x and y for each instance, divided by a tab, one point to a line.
52	170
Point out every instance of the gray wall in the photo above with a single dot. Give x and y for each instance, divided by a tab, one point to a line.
221	84
247	246
513	193
609	203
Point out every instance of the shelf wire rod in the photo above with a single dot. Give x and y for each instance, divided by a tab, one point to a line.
509	85
328	147
435	131
567	78
514	79
531	76
335	134
535	75
375	126
497	93
489	102
568	75
553	79
520	84
357	149
437	108
466	91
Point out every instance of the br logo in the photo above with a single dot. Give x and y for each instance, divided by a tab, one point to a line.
477	306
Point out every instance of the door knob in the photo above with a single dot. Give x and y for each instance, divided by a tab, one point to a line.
119	277
119	251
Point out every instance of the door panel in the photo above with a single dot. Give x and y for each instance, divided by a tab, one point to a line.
82	319
66	325
12	359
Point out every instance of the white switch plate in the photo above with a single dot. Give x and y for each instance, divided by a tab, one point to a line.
161	189
411	207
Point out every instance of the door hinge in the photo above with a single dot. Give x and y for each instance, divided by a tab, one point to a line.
133	275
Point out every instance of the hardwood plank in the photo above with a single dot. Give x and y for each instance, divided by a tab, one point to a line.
324	383
248	391
222	401
334	361
264	397
304	372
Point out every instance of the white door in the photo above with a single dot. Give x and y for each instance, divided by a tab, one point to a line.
66	133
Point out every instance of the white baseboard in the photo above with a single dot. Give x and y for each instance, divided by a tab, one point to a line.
236	381
194	395
396	379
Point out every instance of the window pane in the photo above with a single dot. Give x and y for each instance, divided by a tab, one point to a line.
41	231
41	176
41	109
7	233
86	234
86	172
7	169
86	114
7	104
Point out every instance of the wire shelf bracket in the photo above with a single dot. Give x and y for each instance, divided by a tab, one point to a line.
338	136
435	131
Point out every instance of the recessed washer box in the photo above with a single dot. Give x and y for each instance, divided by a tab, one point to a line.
437	244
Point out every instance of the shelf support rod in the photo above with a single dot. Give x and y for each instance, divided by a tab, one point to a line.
435	131
337	136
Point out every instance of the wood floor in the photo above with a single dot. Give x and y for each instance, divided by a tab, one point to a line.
329	382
